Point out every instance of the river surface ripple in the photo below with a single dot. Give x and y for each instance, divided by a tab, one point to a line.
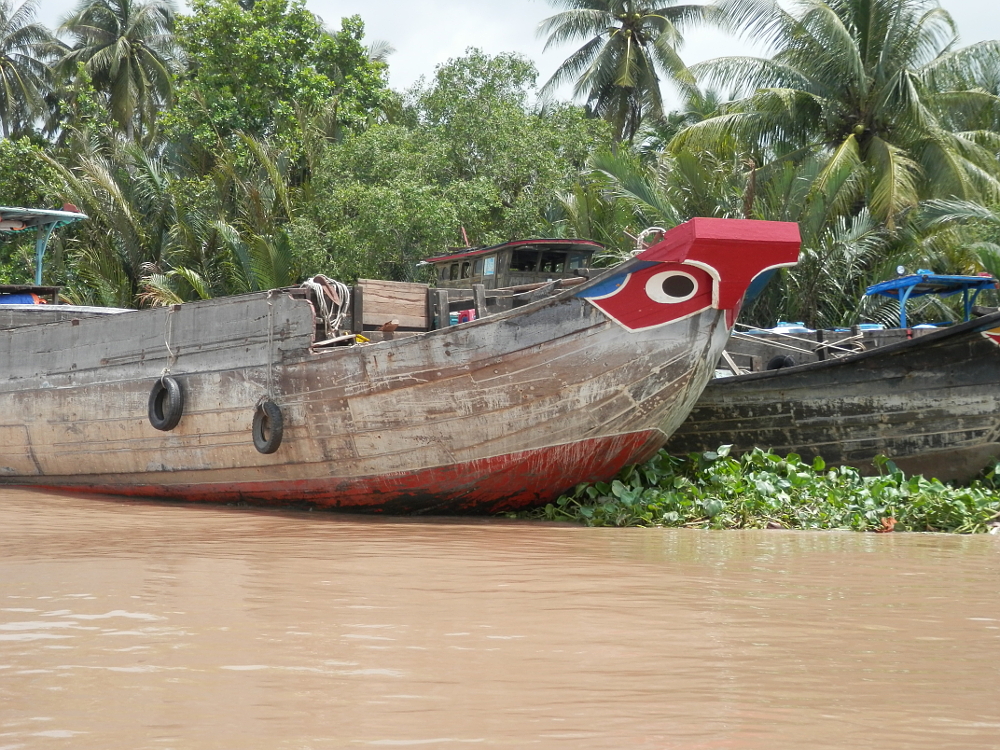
128	625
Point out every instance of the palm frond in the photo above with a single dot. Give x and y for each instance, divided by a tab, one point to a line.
894	182
942	212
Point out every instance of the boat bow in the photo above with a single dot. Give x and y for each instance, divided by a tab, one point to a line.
701	264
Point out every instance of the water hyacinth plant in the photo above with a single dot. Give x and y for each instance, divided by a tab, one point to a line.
764	490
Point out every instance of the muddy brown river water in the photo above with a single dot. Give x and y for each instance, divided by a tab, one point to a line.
126	626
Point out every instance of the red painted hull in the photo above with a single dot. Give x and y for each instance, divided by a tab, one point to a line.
480	486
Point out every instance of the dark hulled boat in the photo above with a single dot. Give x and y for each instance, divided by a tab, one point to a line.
929	401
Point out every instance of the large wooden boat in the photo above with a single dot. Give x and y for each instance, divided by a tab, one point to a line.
276	398
927	398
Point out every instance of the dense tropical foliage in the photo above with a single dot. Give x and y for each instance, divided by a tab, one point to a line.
874	88
24	77
245	144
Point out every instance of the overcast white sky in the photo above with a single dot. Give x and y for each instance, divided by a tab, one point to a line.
426	33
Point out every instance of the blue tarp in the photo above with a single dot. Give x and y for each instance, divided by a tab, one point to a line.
18	299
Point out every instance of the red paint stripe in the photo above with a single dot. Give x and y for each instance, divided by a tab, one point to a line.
514	481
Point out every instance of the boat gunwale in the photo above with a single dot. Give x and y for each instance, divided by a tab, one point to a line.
568	292
977	325
501	315
69	308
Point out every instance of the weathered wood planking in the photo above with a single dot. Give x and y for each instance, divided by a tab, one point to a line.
931	404
75	402
394	300
496	414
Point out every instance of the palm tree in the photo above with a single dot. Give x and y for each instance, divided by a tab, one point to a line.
234	240
629	45
695	106
588	209
128	49
378	50
23	74
874	87
127	192
969	229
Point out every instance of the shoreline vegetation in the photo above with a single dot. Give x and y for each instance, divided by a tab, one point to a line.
221	147
761	489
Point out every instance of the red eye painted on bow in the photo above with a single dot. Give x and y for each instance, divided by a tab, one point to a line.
658	294
704	263
671	287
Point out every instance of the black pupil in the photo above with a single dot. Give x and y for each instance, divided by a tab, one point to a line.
678	286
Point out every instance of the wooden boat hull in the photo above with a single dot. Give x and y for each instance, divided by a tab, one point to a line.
441	421
931	404
497	414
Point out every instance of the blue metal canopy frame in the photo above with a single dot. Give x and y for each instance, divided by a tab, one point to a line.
925	282
15	220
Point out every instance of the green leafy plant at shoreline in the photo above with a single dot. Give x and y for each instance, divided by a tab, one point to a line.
764	490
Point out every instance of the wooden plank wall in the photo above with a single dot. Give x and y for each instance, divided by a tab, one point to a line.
394	300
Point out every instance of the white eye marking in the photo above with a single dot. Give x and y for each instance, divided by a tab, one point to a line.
670	287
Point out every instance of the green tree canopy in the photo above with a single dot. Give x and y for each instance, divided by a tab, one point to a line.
873	86
255	70
475	158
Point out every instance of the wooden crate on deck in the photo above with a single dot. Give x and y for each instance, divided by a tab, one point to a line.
379	302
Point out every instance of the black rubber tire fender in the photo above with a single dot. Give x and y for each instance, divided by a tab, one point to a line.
268	427
166	404
780	362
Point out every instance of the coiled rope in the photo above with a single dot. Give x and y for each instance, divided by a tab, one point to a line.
333	300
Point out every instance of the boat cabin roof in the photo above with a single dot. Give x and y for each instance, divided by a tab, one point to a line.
925	282
20	219
513	263
43	221
561	244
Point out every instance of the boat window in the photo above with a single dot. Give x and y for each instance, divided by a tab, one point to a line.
478	269
553	262
524	259
453	275
443	272
466	269
489	265
577	260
